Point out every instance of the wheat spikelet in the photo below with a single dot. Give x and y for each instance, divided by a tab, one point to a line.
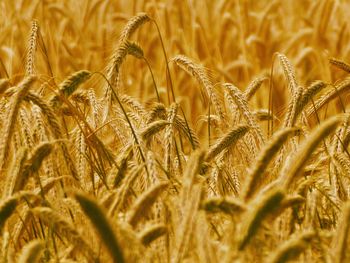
11	119
181	125
144	203
69	85
267	205
264	158
293	168
226	205
226	141
292	248
30	63
32	251
151	233
341	238
201	75
340	64
98	218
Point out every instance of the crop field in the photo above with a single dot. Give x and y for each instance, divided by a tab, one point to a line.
174	131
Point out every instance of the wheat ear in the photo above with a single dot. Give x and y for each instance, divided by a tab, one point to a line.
102	225
264	158
253	87
292	248
32	251
61	225
242	105
4	85
69	85
226	205
340	64
11	119
294	167
202	76
7	207
32	165
30	64
337	90
289	73
144	203
226	141
341	238
148	235
266	205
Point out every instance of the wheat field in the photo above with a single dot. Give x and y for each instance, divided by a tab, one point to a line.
174	131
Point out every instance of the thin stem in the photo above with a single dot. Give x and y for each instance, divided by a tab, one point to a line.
167	65
154	82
